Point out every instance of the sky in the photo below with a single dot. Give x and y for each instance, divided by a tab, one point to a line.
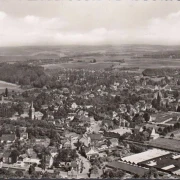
89	22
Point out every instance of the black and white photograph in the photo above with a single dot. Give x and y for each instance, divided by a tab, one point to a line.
90	89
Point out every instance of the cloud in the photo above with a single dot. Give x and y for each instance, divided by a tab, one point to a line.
2	15
163	30
36	30
31	19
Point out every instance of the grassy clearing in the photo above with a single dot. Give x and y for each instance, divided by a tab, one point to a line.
166	143
10	86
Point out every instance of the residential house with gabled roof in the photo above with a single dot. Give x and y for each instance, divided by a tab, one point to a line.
38	115
9	138
92	153
23	136
7	157
114	142
96	137
72	173
86	140
154	135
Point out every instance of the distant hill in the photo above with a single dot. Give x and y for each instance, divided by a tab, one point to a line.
141	56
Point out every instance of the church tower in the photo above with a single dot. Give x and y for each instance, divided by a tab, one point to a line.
31	112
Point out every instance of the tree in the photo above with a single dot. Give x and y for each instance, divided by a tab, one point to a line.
136	149
151	173
78	144
178	109
43	161
176	94
17	132
94	169
31	169
19	108
108	143
6	92
19	173
14	155
172	135
146	116
154	103
65	155
113	174
158	99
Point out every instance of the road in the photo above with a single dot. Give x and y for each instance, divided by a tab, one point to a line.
87	166
86	163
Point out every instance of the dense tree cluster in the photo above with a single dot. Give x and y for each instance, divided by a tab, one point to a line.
109	173
136	148
152	173
23	74
160	72
65	155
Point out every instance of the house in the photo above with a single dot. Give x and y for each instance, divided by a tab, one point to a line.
49	161
92	153
86	140
24	115
67	144
122	130
154	135
72	173
129	168
7	157
30	161
38	115
96	137
44	106
23	136
114	142
42	141
74	106
9	138
19	164
31	153
75	165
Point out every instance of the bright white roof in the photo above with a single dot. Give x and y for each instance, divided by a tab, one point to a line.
152	163
147	155
176	157
121	130
177	172
168	167
92	151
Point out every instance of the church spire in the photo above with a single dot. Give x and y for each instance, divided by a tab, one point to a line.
32	111
32	105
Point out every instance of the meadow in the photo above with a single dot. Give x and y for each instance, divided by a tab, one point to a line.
10	86
166	143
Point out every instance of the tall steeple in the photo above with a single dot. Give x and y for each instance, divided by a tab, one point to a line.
31	112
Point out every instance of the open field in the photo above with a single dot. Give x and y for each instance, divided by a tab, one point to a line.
165	118
133	55
80	65
165	143
176	135
10	86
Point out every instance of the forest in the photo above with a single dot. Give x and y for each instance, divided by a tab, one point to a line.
23	74
161	72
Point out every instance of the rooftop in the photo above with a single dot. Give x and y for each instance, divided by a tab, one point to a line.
8	137
165	143
134	169
140	157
